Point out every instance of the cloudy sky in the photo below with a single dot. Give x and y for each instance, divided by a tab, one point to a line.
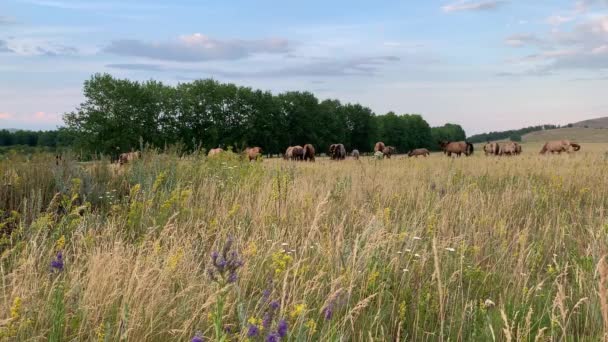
486	64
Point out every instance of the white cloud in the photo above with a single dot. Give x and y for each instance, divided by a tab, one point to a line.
556	20
197	47
463	5
518	40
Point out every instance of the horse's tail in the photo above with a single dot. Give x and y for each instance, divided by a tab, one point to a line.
470	148
576	147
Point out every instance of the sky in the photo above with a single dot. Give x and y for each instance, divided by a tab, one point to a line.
484	64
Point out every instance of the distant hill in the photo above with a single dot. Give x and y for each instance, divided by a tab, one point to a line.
593	123
579	134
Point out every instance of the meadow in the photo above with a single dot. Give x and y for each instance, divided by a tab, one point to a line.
190	248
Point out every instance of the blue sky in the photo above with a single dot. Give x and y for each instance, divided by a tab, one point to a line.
485	64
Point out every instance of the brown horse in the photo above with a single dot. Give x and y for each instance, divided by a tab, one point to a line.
560	146
125	158
215	151
337	152
297	153
508	149
288	153
309	153
253	153
379	147
491	148
518	149
355	154
388	151
419	152
458	148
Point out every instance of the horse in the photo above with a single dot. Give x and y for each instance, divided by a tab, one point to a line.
560	146
491	148
128	157
288	153
388	151
458	148
215	151
337	152
508	148
253	153
379	147
355	154
309	153
297	153
418	152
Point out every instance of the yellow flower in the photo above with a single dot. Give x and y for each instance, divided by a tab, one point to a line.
311	326
101	334
175	259
16	308
60	244
280	262
251	249
373	277
402	308
297	311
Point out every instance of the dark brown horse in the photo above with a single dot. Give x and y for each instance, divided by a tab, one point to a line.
337	152
297	153
309	153
388	151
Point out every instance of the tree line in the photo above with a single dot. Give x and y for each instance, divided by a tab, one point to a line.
513	135
118	115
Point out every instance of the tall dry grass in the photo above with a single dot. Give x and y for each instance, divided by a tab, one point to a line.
406	249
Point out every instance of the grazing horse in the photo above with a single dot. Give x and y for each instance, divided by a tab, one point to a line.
508	149
288	153
419	152
355	154
297	153
128	157
388	151
379	147
337	152
309	153
215	151
253	153
491	148
560	146
517	148
458	148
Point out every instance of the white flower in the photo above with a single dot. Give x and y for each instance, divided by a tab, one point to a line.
417	255
399	252
417	238
408	250
405	270
489	303
450	249
284	244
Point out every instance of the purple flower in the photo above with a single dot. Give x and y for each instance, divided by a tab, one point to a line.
273	337
282	328
225	264
266	294
253	330
274	305
57	263
328	312
267	321
232	277
197	338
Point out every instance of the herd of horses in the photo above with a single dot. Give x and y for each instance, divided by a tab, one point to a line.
338	151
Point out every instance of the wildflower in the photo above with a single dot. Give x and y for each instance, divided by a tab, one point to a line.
253	331
197	338
298	310
274	305
16	308
311	325
417	255
282	328
226	264
328	311
449	249
60	244
489	303
417	238
57	263
273	337
405	270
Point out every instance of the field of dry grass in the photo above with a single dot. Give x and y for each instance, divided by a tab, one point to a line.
468	249
579	134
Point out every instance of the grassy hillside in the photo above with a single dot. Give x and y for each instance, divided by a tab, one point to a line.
578	134
593	123
403	249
